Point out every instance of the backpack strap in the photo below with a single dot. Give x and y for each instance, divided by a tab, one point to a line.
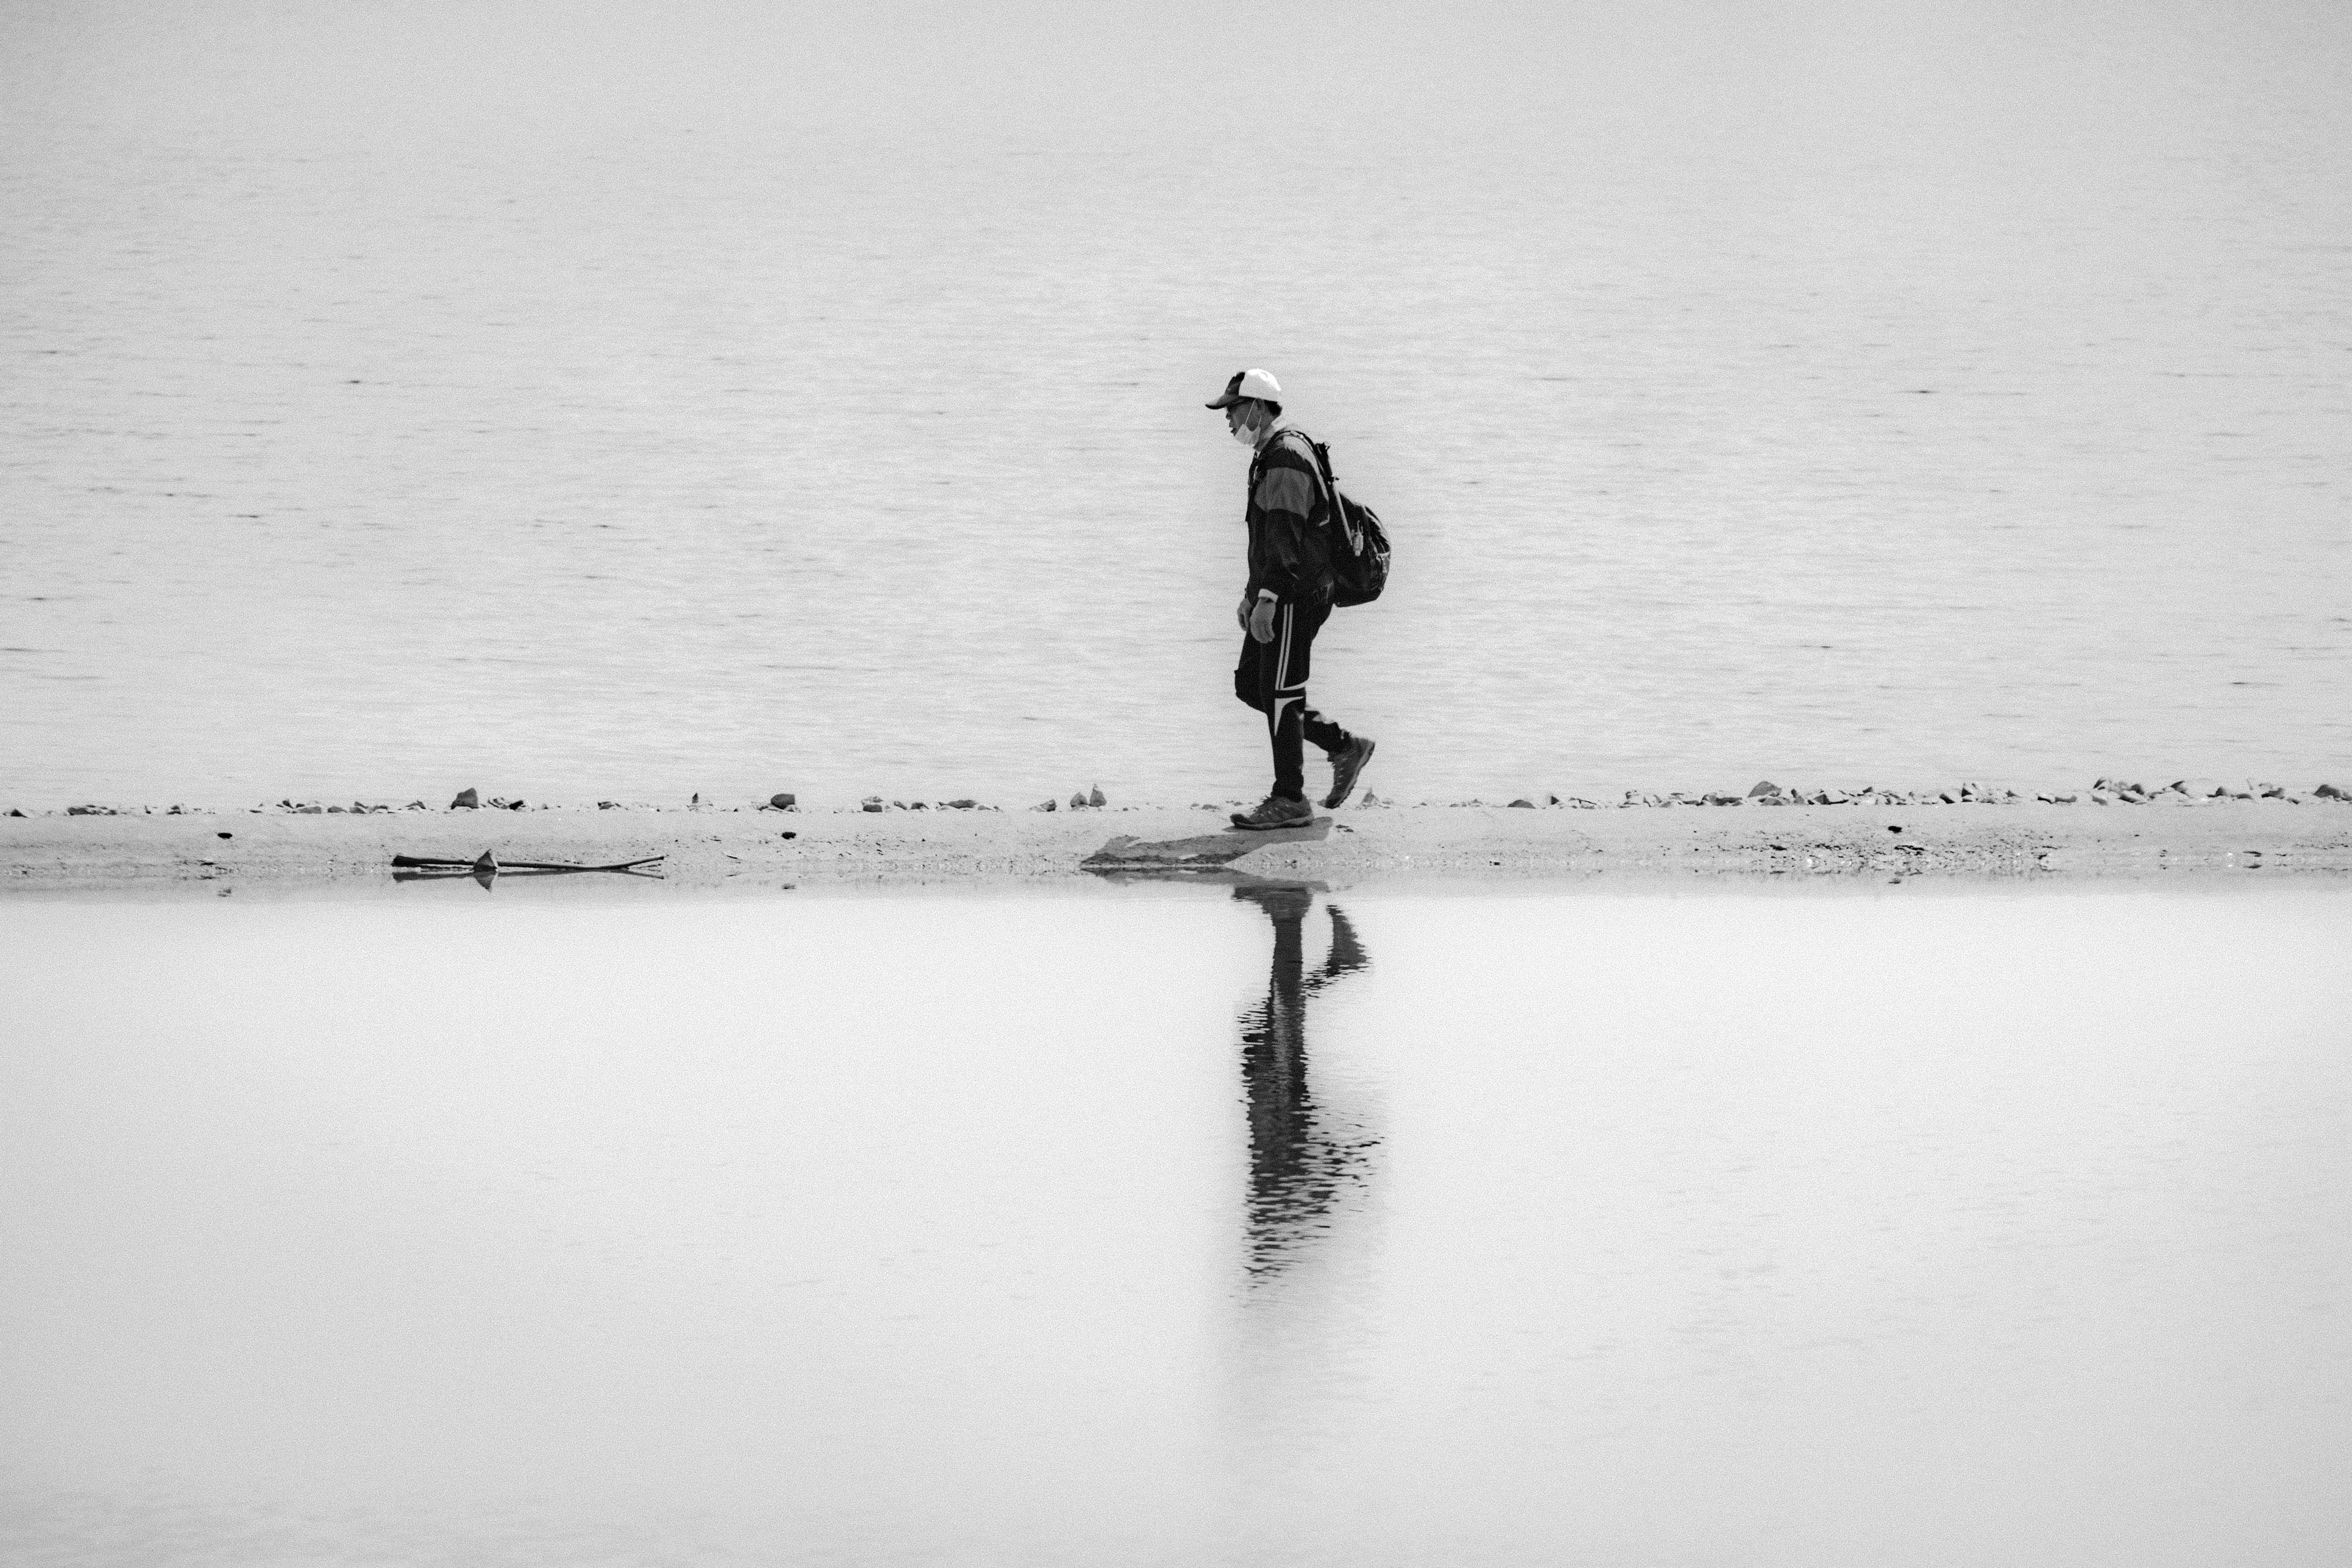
1318	462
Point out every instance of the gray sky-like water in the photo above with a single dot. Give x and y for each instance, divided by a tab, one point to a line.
1810	1227
584	402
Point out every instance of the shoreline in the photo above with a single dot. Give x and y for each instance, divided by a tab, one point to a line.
714	845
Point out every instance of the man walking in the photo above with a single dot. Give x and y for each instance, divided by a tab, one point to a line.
1285	602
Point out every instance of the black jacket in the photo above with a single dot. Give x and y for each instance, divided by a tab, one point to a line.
1289	522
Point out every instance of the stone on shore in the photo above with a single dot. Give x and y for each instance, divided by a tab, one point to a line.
784	801
1206	852
468	800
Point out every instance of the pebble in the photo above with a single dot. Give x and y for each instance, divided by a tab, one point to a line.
1528	804
784	802
871	802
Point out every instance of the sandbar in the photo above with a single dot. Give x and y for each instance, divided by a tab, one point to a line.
718	845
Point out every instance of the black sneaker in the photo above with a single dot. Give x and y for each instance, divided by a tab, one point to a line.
1346	763
1275	811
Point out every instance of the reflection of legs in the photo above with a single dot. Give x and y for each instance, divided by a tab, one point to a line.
1297	1169
1274	1075
1348	954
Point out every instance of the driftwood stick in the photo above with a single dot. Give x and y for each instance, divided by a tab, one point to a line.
487	864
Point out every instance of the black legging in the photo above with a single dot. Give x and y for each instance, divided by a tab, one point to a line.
1272	678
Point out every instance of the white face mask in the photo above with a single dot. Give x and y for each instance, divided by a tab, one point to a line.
1246	435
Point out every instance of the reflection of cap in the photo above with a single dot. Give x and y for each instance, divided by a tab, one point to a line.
1256	384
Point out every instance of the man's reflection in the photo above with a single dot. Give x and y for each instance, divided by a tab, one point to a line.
1303	1160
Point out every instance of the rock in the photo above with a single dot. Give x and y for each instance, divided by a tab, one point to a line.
334	811
791	835
13	811
514	805
1128	854
466	801
309	810
2102	797
1720	799
964	805
2064	797
1096	797
1832	797
608	805
1577	803
871	802
1524	805
694	799
784	801
1763	787
1048	806
1948	797
2329	791
918	806
2265	791
1551	800
216	835
2200	789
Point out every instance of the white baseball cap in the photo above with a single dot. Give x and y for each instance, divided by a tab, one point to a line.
1257	383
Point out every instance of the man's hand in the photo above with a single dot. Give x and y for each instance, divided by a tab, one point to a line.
1242	610
1261	620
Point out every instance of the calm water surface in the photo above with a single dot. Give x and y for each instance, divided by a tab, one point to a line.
1177	1226
591	402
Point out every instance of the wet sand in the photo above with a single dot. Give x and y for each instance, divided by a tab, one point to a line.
712	846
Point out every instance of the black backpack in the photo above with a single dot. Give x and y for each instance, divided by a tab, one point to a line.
1360	560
